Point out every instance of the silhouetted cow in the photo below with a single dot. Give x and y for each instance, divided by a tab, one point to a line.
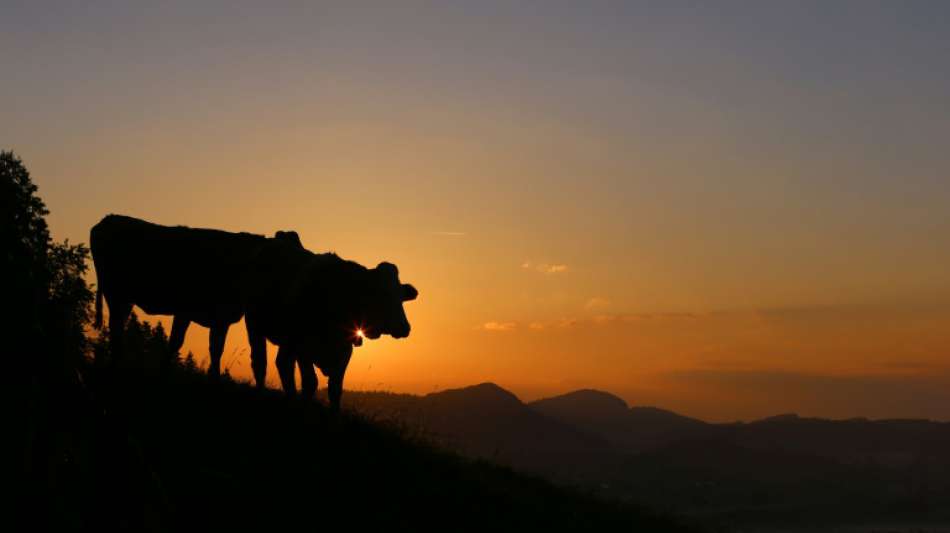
198	275
311	305
308	304
218	333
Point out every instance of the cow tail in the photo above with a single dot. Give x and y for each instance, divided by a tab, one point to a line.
98	323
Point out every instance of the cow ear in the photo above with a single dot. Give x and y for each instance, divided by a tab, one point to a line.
290	237
409	292
389	269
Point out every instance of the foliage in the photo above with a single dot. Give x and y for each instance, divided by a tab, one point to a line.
46	301
148	345
46	293
189	363
66	313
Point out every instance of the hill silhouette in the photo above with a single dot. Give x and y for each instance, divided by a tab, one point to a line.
779	471
628	429
489	422
179	451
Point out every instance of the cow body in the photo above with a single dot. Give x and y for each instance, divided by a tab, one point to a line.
166	270
194	274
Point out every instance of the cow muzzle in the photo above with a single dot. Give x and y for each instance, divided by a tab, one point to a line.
401	332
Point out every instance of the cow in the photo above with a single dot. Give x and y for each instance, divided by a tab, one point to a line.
197	275
310	305
316	307
181	322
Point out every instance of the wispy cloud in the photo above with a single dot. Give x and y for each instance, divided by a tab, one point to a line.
498	326
658	316
609	318
563	323
596	302
545	268
603	318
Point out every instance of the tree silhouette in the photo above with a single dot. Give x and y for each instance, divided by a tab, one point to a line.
46	296
190	364
147	345
46	310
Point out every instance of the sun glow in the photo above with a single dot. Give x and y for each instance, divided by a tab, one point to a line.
359	334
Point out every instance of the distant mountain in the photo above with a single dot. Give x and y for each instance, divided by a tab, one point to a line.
628	429
585	406
778	470
856	440
484	398
490	422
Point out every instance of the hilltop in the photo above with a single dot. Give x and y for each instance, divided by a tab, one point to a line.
626	428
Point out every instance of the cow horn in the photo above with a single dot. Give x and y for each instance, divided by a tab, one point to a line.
389	268
409	292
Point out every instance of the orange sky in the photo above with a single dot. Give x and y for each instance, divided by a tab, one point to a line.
706	212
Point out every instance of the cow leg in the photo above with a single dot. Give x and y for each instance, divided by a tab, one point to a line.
335	382
216	348
118	316
285	369
308	378
258	352
177	337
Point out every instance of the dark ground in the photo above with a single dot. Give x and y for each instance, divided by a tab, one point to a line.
138	451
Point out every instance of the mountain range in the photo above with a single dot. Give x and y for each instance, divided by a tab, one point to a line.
775	469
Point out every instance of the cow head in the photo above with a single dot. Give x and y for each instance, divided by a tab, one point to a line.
382	298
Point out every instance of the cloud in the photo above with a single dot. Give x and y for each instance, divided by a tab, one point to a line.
601	318
450	233
498	326
634	317
545	268
596	303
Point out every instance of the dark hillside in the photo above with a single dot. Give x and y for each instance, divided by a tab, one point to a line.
183	453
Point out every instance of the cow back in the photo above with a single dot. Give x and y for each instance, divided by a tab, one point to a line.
175	270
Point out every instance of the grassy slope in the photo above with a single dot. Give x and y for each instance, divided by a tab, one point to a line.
180	452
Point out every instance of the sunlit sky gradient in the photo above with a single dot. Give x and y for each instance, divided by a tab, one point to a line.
728	210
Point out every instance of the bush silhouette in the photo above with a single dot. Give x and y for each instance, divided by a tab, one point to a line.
148	343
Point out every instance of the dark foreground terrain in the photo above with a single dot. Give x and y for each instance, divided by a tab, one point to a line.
175	451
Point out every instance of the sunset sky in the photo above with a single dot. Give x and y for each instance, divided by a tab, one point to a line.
730	210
